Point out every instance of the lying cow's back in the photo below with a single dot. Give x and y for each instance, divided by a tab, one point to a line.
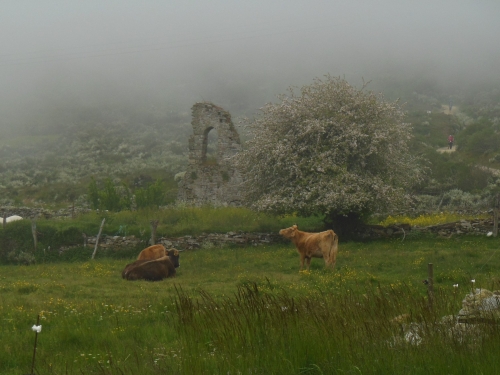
152	252
151	270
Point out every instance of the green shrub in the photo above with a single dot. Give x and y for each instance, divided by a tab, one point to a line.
152	195
479	138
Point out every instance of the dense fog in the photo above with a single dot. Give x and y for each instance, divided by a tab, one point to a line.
170	54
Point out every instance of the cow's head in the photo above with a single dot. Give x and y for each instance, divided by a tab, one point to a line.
289	232
173	255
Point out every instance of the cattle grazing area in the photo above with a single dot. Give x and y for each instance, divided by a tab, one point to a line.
249	311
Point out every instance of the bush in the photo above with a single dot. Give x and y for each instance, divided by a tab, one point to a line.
479	138
153	195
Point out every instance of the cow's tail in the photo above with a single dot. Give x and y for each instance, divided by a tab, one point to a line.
334	248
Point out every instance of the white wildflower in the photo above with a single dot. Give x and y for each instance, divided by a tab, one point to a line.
36	328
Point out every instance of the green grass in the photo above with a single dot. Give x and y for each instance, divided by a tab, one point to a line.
249	311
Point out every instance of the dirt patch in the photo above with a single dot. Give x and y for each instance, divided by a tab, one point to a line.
447	149
446	109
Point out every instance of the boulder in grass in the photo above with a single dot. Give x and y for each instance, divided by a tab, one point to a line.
480	306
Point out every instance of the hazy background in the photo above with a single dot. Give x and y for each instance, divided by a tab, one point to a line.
60	56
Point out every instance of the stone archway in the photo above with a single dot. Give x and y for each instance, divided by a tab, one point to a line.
204	152
211	181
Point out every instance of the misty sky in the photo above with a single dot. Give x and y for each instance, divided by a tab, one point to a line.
57	53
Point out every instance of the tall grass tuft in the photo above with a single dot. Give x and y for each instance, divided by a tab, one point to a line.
261	333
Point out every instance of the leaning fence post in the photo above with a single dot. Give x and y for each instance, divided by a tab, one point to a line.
97	239
37	329
33	232
430	284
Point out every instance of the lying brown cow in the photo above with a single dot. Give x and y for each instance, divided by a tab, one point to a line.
153	269
152	252
314	245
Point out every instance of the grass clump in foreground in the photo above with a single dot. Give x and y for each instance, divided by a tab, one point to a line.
249	310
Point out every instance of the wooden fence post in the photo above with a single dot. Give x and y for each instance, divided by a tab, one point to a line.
34	347
430	284
154	225
496	208
97	239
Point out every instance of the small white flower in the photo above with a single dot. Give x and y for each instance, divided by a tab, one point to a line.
473	281
455	285
36	328
490	234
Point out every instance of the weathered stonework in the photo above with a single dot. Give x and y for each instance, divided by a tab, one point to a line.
214	182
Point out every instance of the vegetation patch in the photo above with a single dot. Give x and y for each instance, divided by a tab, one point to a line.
230	310
429	219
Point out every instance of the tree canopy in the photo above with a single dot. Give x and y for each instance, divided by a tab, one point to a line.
333	149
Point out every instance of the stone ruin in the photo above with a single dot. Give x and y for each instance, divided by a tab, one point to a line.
213	180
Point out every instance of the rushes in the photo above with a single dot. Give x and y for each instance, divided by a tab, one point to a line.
270	332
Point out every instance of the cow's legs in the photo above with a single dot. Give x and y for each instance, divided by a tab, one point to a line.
334	260
308	260
331	263
302	257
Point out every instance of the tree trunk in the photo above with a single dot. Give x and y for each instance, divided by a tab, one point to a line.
97	239
345	226
4	221
154	225
84	239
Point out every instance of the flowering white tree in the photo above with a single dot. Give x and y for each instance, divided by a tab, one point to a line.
333	150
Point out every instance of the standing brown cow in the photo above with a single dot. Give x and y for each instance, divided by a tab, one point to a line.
314	245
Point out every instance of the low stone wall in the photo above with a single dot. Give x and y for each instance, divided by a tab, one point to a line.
204	241
479	227
208	241
213	240
37	212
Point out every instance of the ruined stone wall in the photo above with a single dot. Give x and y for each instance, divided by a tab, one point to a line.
39	212
214	182
205	241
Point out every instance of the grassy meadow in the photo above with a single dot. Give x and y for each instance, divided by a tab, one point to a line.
249	311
